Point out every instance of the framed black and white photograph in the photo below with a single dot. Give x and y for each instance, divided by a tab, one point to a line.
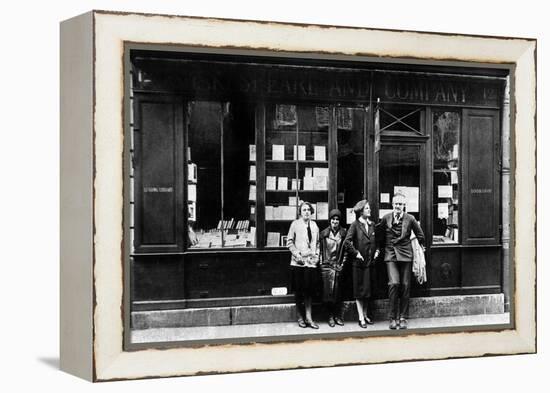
278	196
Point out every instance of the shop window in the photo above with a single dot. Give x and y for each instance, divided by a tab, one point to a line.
221	210
446	175
296	166
351	160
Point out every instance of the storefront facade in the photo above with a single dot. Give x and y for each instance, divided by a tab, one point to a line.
222	149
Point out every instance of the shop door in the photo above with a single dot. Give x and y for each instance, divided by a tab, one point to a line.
400	167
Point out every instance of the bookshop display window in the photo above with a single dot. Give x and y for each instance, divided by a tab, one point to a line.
351	173
296	166
220	214
446	175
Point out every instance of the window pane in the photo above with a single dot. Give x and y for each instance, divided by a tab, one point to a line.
446	127
296	166
400	172
204	179
403	119
239	176
351	159
221	204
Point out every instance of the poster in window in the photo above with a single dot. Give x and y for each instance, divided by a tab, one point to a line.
286	115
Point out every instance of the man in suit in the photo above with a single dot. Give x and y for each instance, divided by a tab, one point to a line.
398	255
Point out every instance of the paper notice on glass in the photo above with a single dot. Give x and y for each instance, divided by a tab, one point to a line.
282	183
292	201
411	197
301	153
350	215
399	190
278	152
445	191
252	176
383	212
319	153
322	210
454	177
192	192
320	172
442	210
455	151
295	184
252	152
271	182
192	172
308	183
385	197
308	172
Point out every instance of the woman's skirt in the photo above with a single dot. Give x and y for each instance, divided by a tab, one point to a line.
331	284
305	280
361	281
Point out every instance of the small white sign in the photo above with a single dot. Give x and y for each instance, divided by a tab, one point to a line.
301	153
278	153
385	197
445	191
319	153
192	192
279	291
442	210
454	177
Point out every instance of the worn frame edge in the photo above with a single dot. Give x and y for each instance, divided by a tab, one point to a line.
524	335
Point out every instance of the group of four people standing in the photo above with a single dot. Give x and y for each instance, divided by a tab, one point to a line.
360	245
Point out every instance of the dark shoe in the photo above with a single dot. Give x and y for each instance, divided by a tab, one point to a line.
302	323
362	324
339	321
402	323
393	324
369	321
331	321
312	325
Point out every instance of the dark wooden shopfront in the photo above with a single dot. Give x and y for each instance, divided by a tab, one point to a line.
436	131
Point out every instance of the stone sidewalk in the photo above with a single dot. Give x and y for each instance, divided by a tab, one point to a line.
265	330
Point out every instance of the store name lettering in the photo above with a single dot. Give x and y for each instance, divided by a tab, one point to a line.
282	85
421	91
158	189
481	190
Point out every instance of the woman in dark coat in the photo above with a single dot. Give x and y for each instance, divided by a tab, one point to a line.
331	241
362	250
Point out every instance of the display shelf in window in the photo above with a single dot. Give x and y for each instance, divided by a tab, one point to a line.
446	177
224	188
296	167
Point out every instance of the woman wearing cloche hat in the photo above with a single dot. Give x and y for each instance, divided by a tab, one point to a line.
361	248
331	241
